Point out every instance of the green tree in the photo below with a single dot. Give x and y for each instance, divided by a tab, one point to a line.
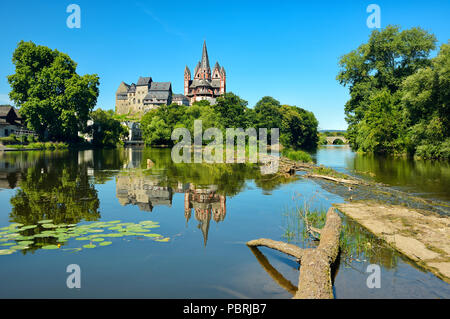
383	63
231	110
426	102
268	113
155	130
52	97
106	130
298	128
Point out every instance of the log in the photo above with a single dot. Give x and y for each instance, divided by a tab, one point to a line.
288	249
335	179
315	270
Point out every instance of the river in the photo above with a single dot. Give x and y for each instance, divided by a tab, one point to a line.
140	229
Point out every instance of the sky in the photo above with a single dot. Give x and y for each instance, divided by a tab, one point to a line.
285	49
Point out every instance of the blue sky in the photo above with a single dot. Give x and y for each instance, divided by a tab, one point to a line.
285	49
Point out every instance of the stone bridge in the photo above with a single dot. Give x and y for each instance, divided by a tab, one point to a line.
331	139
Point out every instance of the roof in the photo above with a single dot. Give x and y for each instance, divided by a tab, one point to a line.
179	97
122	96
201	82
132	88
215	83
5	109
144	81
204	64
159	95
161	86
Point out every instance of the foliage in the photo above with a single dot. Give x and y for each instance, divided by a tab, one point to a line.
106	130
54	100
298	127
399	97
298	155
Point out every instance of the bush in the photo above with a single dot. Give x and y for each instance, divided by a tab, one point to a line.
8	140
298	155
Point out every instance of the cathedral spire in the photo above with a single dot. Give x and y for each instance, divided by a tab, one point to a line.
205	60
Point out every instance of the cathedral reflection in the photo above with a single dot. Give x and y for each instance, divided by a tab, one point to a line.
148	191
206	204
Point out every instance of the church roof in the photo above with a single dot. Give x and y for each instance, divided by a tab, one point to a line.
200	82
215	83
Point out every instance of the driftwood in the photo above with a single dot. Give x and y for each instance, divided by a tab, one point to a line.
335	179
315	270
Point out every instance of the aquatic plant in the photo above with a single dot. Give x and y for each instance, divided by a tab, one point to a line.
48	236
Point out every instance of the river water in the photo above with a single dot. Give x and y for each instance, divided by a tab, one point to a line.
95	208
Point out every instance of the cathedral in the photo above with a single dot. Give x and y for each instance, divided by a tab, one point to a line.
206	85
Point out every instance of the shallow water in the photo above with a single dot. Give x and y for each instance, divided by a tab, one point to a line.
208	211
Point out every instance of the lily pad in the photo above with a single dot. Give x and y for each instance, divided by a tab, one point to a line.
7	244
49	226
6	251
27	227
152	235
98	239
105	243
82	238
19	247
89	246
50	247
45	221
25	242
163	240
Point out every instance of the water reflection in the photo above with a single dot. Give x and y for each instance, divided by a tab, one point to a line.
429	179
63	186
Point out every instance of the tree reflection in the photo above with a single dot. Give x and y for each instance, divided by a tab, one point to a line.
57	189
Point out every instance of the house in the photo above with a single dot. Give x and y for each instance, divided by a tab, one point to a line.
180	99
134	130
11	122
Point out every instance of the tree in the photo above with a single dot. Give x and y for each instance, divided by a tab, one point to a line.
106	130
231	110
426	102
155	130
52	97
298	128
268	113
381	65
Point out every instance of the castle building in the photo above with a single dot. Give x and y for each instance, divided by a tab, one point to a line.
143	96
206	85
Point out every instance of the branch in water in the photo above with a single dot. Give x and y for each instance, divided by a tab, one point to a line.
288	249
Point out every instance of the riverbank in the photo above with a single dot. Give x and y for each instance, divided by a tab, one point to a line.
422	236
35	146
